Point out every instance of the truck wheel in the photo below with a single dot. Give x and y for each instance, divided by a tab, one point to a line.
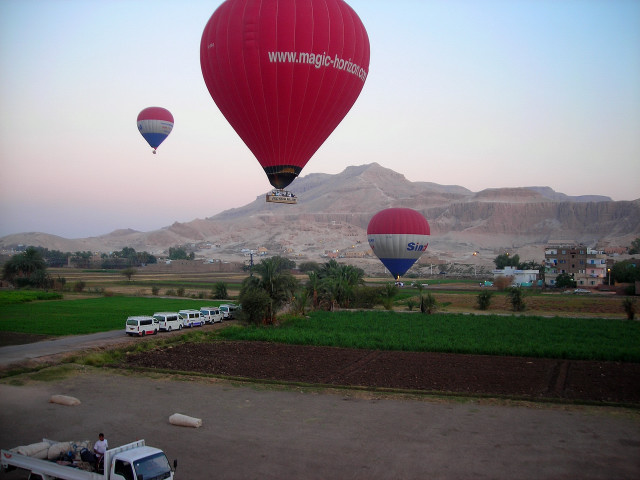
179	327
143	333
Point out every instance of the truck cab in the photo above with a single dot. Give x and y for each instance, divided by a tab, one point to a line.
142	462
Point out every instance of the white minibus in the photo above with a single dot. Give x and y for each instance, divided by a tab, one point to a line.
141	326
211	314
168	321
191	318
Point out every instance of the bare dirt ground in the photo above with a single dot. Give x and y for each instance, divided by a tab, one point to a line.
270	432
253	430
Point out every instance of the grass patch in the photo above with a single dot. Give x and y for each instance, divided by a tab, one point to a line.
43	373
89	315
55	373
558	337
118	355
16	297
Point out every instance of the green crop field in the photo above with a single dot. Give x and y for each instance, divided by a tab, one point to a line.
575	338
86	315
496	334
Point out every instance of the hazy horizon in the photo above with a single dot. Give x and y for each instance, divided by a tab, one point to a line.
482	94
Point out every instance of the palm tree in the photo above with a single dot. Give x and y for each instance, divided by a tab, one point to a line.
275	282
389	292
337	282
313	286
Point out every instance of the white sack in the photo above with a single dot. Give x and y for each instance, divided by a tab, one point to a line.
35	450
184	421
64	400
59	448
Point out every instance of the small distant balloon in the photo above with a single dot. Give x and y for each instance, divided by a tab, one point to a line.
155	124
398	237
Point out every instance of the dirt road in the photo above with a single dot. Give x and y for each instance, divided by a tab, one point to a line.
256	431
270	433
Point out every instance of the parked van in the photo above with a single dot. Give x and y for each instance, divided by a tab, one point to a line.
211	314
141	326
168	321
228	310
191	318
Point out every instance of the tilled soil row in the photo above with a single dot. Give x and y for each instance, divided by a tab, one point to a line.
521	377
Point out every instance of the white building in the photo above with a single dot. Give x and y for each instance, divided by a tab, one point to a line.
525	278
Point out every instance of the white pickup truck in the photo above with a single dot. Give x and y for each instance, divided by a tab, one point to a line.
133	461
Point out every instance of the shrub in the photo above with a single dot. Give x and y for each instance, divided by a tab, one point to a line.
629	305
502	282
180	291
79	286
170	293
220	290
410	304
59	283
564	280
255	305
155	290
389	291
428	303
366	297
484	300
516	297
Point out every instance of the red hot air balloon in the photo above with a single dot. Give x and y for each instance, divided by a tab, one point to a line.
284	73
398	237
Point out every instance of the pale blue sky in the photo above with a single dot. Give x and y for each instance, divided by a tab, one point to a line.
481	94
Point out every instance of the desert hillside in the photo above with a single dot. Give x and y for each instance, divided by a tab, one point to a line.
333	212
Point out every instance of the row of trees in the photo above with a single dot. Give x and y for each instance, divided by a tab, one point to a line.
329	285
127	257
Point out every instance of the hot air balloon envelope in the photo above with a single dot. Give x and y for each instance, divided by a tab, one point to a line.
155	124
398	237
284	73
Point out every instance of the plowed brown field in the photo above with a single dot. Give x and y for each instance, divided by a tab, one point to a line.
520	377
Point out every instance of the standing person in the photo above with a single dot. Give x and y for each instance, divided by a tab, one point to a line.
99	449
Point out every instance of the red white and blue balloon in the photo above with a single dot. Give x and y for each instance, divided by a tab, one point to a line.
155	124
398	237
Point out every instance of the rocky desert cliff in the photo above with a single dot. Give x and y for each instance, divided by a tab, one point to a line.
333	212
